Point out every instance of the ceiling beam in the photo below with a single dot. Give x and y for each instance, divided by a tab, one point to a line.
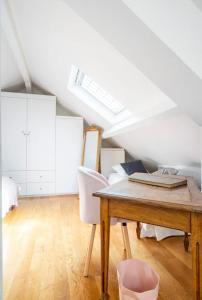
11	34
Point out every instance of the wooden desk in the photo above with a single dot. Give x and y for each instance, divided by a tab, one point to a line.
179	208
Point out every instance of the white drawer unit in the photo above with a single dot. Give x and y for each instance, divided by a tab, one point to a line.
40	188
40	151
40	176
17	176
28	141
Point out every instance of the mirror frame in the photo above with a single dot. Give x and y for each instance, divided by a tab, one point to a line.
99	130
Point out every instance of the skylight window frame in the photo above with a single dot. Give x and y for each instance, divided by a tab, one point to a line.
79	81
76	88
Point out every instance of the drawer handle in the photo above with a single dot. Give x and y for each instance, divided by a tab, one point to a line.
41	188
41	176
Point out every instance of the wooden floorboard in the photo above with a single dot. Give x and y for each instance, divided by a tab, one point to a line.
44	252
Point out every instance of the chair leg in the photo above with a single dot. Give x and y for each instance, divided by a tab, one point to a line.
186	241
89	252
138	230
123	235
126	240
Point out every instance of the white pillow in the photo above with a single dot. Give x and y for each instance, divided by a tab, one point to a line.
168	171
118	168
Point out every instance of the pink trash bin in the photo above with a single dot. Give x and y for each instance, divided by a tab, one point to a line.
137	280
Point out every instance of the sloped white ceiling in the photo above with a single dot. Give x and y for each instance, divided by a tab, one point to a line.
131	37
124	56
198	4
61	38
10	74
178	25
171	139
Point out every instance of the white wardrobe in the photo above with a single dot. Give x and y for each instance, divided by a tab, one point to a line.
69	142
29	144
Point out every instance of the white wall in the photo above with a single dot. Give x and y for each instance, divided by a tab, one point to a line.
172	139
201	158
10	75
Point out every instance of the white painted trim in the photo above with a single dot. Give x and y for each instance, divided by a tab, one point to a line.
41	97
28	96
13	95
11	34
141	120
69	117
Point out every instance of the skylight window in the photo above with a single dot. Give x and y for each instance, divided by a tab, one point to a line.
99	93
97	97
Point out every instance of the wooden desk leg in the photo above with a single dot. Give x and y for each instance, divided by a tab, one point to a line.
138	230
196	231
105	233
186	241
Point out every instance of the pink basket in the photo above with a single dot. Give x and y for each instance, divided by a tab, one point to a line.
137	280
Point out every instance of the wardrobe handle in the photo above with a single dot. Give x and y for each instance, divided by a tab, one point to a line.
26	133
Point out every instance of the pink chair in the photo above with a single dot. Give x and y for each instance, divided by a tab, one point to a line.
89	182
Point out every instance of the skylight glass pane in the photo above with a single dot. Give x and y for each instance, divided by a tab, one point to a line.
100	94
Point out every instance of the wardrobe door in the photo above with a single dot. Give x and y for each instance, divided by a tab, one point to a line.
69	142
13	132
41	134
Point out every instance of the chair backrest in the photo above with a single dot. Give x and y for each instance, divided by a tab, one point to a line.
89	182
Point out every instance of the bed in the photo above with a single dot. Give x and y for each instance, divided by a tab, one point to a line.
9	195
115	177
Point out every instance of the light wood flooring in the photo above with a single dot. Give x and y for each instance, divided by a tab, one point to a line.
44	252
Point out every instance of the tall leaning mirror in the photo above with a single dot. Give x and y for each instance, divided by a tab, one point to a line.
91	147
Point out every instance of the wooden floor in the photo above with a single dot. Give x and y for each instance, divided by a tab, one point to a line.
44	252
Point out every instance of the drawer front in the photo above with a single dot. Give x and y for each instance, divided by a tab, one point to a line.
17	176
40	188
40	176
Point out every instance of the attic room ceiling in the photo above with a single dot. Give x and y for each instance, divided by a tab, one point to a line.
146	50
178	25
198	3
71	40
142	72
10	75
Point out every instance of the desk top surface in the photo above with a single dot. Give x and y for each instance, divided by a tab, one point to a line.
188	198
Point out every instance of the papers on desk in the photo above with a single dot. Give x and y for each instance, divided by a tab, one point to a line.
162	180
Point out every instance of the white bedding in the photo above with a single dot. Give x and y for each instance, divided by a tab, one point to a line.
115	177
158	232
9	194
148	230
